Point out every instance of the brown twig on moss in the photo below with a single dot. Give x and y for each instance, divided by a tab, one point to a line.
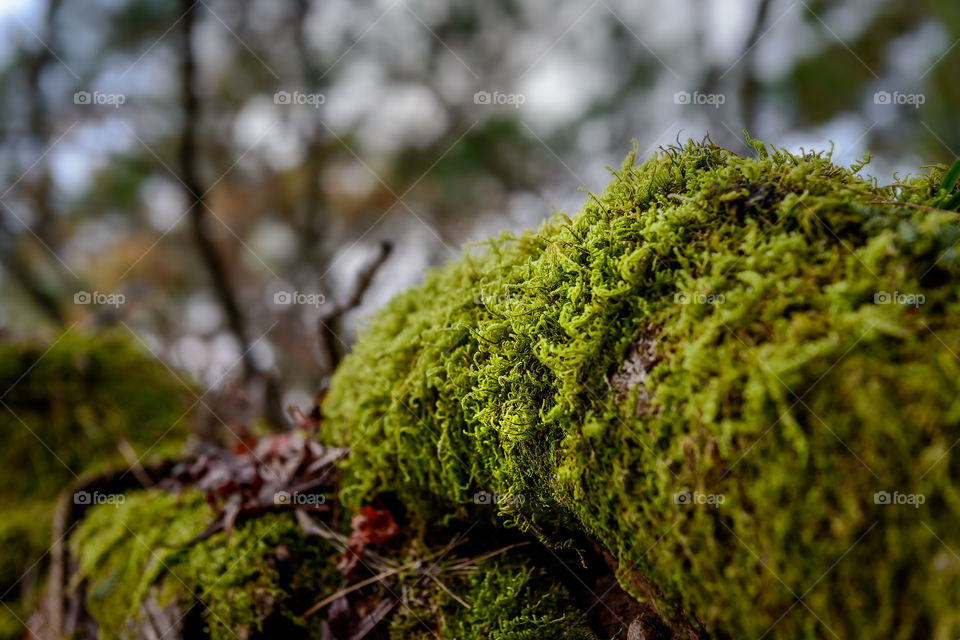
330	323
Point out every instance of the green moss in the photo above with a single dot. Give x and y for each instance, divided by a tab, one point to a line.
507	602
123	549
787	387
24	537
24	534
65	406
256	582
263	575
10	622
68	404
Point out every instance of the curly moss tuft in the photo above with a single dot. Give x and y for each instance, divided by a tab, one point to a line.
507	602
715	369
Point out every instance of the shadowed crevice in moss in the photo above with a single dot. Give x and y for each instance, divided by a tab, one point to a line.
796	376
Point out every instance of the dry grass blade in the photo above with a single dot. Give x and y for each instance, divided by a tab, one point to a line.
370	622
311	527
448	591
359	585
483	556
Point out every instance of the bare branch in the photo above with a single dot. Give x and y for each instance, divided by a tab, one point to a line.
189	175
330	323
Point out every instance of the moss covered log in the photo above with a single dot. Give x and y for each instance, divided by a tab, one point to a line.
739	375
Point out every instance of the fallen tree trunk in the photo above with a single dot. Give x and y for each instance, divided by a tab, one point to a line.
738	375
728	388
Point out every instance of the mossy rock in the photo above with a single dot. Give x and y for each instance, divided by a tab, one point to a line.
143	574
65	409
140	551
739	375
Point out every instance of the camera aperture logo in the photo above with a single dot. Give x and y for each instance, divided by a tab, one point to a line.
687	497
896	498
485	497
283	298
497	98
299	98
99	98
299	499
99	298
88	498
898	297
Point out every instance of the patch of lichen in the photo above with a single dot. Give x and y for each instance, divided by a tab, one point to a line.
796	392
65	407
264	574
506	602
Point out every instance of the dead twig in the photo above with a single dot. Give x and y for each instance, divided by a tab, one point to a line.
339	541
483	556
188	151
447	591
372	619
330	323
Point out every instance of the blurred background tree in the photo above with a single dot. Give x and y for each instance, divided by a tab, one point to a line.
201	157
